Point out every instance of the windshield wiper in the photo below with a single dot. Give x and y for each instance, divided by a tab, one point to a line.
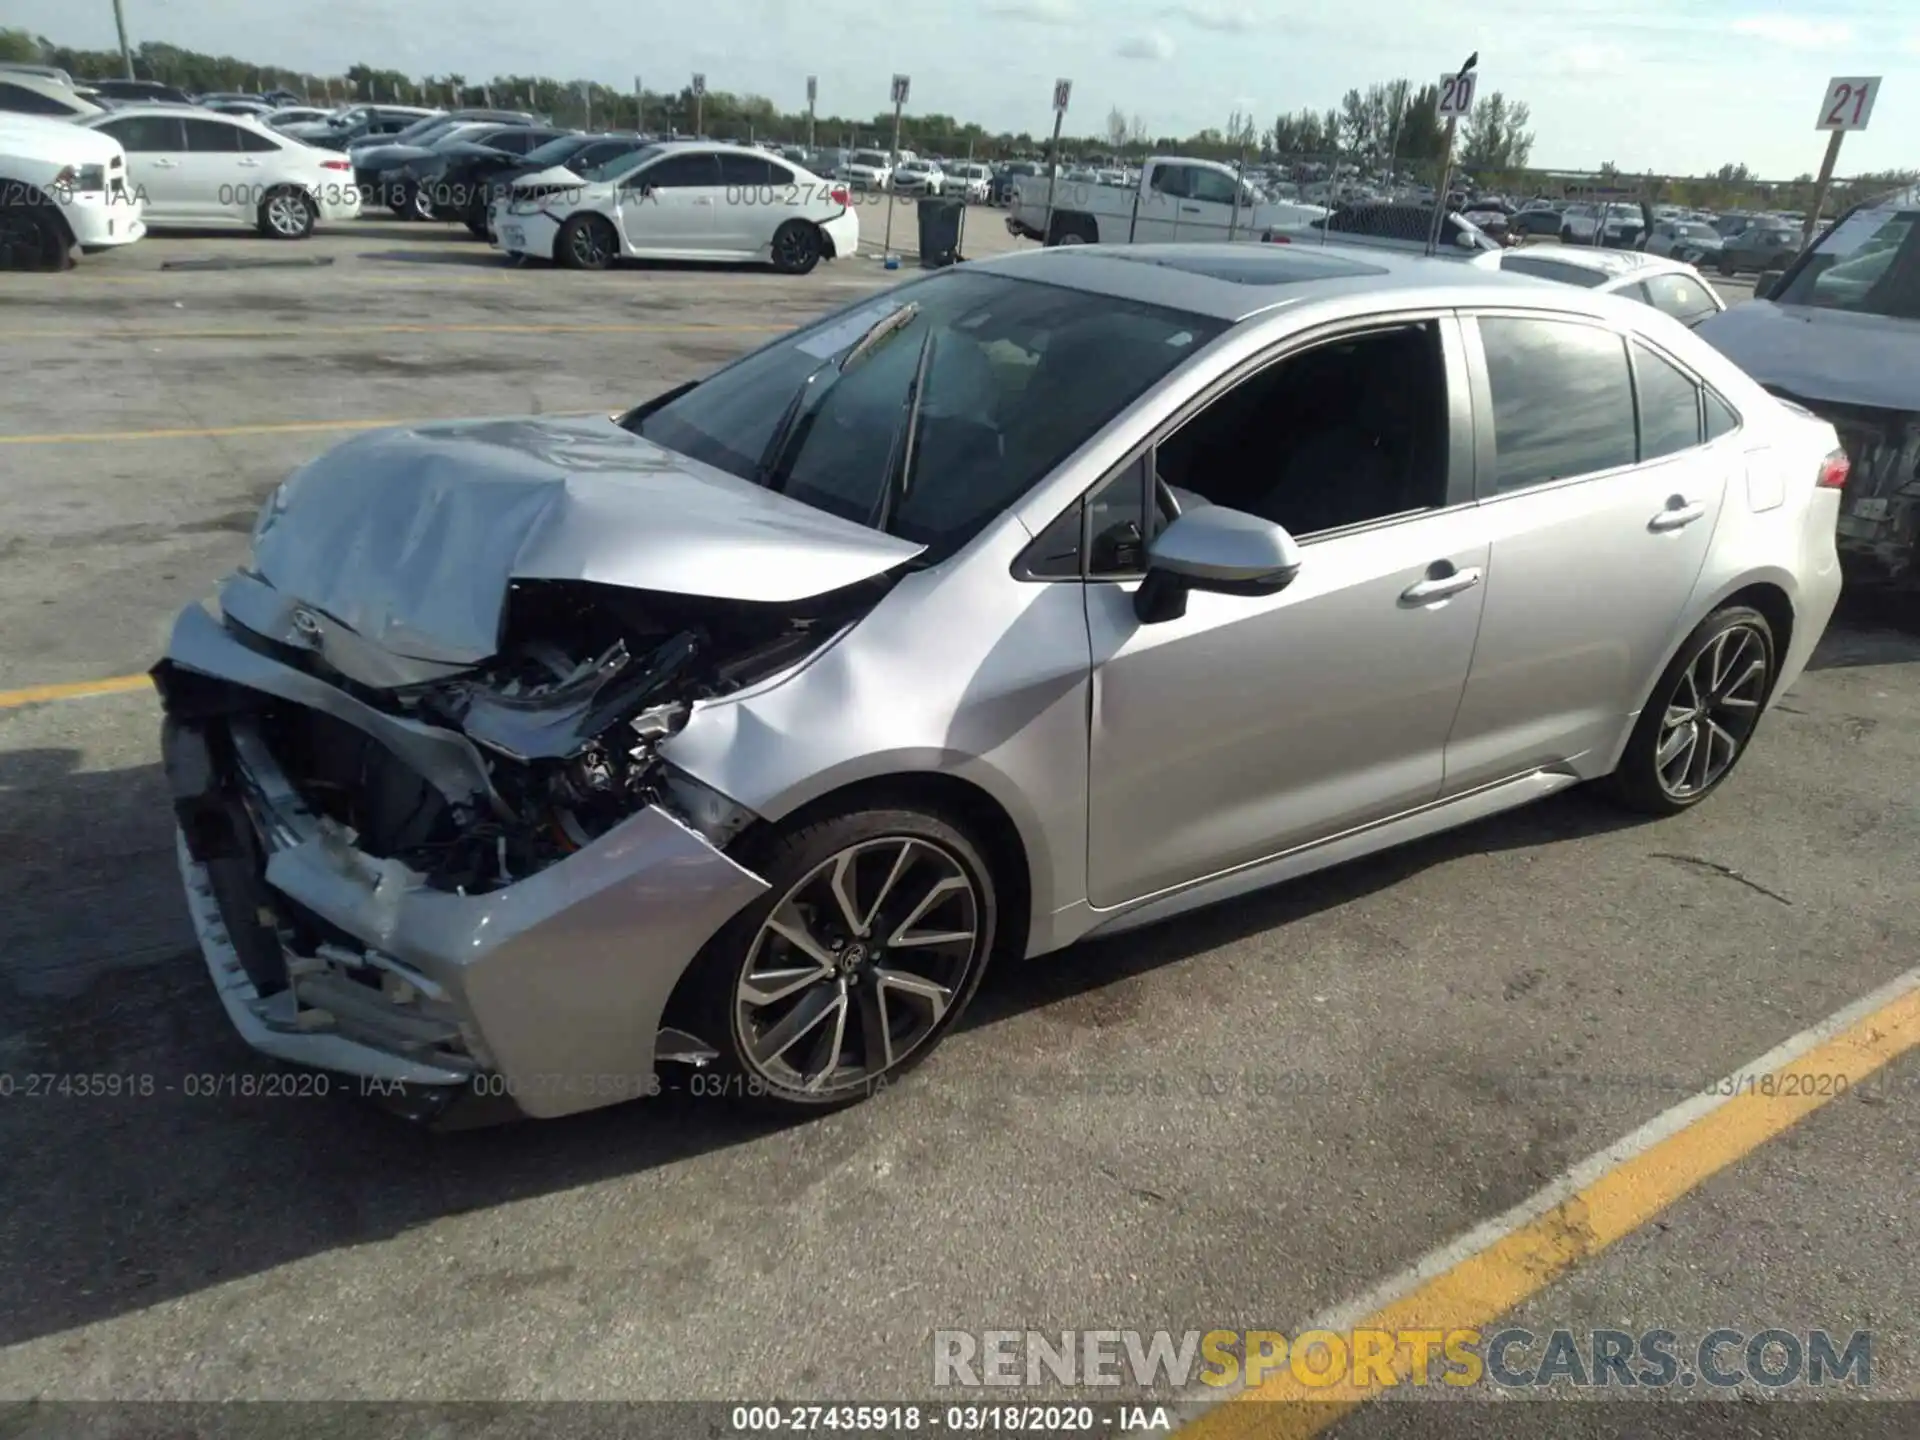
770	470
906	442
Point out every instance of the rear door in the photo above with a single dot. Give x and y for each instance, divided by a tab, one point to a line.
757	195
156	147
1600	501
1168	187
220	179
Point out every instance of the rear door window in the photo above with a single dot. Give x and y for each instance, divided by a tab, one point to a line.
1562	400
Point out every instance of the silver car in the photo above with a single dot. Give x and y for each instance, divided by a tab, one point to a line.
533	761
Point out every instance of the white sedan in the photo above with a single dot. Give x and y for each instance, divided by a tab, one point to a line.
686	200
1667	285
196	169
971	180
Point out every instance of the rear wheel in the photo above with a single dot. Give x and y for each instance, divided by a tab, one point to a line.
870	941
287	214
796	247
587	242
1072	230
1701	715
420	203
32	236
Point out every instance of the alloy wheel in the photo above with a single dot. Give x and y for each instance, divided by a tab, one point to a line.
1712	712
589	247
858	966
287	214
792	247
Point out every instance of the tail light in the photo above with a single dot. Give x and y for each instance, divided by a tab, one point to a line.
1270	238
336	165
841	196
1833	471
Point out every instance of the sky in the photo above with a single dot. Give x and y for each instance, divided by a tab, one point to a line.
1671	86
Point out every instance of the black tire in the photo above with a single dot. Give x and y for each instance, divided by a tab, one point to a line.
1072	230
287	214
1566	235
33	236
1725	266
586	242
1644	781
796	247
476	217
719	1014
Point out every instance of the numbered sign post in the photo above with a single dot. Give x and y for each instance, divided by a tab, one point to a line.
699	103
1456	100
1846	105
901	85
1062	93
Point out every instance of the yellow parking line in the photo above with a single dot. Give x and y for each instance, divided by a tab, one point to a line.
301	332
1520	1264
211	432
74	690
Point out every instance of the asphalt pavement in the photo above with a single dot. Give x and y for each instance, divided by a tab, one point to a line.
1243	1118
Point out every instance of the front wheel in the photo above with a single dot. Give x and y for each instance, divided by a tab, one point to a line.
1701	715
870	941
796	247
32	236
287	214
587	242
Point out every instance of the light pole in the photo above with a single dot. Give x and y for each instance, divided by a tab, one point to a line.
120	24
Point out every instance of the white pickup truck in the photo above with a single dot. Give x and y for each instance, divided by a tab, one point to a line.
1176	199
62	185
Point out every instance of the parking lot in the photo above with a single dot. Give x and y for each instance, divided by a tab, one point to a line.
1243	1118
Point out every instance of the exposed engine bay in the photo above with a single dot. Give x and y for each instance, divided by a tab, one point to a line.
568	717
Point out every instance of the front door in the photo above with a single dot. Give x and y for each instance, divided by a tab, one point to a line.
672	205
1252	726
1598	540
156	150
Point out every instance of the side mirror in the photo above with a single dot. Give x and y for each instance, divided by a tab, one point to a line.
1228	552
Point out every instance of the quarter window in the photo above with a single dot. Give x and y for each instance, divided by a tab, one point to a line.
1721	419
1562	400
1669	406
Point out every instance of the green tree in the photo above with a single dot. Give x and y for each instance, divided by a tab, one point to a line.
19	47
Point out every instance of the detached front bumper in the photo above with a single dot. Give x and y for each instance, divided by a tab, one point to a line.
547	994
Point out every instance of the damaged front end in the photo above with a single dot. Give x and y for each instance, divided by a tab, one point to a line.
471	880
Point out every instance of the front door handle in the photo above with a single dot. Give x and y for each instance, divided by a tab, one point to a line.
1440	587
166	164
1679	512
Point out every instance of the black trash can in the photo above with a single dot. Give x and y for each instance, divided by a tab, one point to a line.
939	229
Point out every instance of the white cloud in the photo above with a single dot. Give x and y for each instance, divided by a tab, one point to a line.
1212	15
1588	58
1036	12
1792	31
1150	46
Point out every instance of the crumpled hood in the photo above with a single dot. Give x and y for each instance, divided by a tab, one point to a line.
1815	354
412	537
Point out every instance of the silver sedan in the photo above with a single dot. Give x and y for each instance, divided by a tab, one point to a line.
540	761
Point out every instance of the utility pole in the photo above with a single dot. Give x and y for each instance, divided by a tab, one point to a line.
699	103
120	24
1456	99
813	95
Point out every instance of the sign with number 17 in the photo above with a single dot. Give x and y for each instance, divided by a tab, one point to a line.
1848	103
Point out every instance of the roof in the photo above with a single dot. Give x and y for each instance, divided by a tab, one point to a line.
1612	263
1234	282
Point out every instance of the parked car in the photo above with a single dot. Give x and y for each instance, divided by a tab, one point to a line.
527	757
555	165
139	91
1693	241
917	177
288	115
1176	199
1839	333
380	167
355	123
258	109
1524	223
867	170
43	72
1390	225
22	93
1004	175
1758	247
1614	222
445	183
200	169
970	180
62	187
1670	286
686	201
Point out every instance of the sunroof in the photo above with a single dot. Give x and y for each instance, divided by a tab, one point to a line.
1276	266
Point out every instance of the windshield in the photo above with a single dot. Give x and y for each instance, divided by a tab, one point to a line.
432	126
620	164
1869	263
556	150
1019	376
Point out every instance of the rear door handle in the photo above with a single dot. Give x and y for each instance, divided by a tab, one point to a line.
1439	588
1677	515
1190	209
166	164
703	199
